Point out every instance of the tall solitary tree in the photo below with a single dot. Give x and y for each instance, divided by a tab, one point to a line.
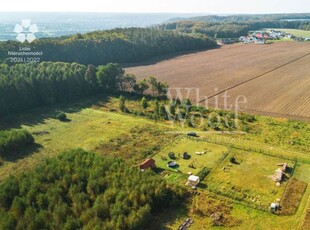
144	103
122	101
153	85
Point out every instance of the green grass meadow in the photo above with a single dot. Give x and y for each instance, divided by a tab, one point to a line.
295	32
246	187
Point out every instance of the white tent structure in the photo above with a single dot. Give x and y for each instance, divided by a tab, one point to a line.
193	181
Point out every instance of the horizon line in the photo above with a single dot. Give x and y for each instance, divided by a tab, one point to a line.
115	12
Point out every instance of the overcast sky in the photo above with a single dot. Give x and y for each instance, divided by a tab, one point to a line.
160	6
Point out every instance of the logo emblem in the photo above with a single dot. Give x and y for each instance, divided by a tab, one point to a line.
25	31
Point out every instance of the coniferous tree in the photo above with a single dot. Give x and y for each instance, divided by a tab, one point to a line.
144	103
122	101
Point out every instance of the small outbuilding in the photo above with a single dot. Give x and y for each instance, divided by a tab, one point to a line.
148	163
274	207
193	181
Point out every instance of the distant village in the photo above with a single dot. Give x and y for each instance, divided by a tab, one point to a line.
261	37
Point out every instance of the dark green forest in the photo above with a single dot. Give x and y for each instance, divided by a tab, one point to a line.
118	45
79	189
235	25
26	86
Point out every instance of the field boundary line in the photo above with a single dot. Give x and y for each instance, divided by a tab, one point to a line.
307	206
255	150
253	78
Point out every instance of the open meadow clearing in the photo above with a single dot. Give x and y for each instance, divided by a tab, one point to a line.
200	154
238	192
86	129
249	179
278	73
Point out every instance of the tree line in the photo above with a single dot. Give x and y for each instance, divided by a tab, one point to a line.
26	86
249	17
229	29
118	45
185	114
78	189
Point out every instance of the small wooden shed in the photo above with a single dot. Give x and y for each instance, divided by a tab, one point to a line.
148	163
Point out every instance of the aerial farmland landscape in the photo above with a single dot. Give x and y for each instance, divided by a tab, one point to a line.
257	72
148	115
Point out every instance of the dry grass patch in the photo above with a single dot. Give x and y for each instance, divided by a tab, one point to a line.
139	142
248	180
292	196
217	210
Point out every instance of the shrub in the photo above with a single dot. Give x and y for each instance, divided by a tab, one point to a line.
144	103
203	173
163	112
61	116
187	102
14	140
122	101
171	155
189	123
232	160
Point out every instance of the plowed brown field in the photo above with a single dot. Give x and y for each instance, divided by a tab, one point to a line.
274	78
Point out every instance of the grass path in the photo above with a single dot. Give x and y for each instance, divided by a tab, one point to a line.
303	207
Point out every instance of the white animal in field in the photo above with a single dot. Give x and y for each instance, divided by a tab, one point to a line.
200	153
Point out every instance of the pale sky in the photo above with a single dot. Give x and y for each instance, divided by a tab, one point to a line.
160	6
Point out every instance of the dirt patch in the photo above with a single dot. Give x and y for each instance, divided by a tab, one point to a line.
140	142
218	211
292	196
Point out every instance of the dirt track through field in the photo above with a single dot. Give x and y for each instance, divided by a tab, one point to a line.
274	78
